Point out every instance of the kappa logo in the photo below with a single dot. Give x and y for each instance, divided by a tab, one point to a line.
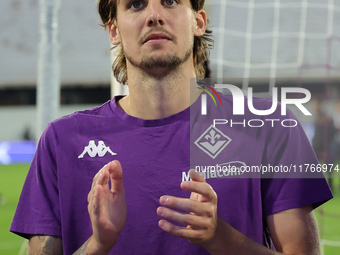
92	150
213	141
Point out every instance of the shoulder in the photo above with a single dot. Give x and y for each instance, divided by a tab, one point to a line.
103	110
84	116
80	121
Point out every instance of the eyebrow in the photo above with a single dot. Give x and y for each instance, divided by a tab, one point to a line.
123	1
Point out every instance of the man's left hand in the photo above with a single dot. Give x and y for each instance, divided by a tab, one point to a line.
200	211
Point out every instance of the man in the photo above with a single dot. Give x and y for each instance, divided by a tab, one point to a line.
148	132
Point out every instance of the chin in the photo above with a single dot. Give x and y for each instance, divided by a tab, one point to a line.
159	62
165	62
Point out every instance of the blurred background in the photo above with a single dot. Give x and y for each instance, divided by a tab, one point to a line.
57	51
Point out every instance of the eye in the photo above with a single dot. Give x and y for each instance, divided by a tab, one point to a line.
170	2
135	5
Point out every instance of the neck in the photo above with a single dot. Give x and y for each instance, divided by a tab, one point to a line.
153	97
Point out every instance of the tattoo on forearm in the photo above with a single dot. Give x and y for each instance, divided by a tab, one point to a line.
49	244
44	245
82	249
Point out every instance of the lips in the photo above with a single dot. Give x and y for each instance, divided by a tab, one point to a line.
158	36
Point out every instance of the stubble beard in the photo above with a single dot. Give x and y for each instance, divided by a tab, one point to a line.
160	66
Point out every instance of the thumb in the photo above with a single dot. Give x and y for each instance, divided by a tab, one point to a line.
196	176
116	174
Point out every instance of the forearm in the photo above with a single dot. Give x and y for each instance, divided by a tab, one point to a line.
44	245
91	247
230	241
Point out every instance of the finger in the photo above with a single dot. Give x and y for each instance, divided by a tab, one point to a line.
185	204
89	196
104	176
201	188
96	200
96	177
95	181
101	180
196	176
99	202
112	169
196	222
116	174
182	232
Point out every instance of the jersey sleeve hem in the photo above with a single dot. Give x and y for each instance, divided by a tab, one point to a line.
27	230
283	205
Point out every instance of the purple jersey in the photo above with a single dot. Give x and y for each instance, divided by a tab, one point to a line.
155	156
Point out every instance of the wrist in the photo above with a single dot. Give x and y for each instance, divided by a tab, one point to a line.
219	243
95	248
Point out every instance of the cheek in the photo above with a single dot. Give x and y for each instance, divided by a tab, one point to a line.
129	39
187	35
129	29
187	26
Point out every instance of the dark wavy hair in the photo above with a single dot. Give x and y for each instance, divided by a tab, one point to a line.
108	12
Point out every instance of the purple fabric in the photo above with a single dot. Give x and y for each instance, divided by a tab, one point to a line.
154	155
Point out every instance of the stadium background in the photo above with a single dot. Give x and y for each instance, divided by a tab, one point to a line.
258	43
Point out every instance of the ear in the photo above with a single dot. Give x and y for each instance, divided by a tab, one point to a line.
114	33
201	23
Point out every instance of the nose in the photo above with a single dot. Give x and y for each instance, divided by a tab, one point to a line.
154	13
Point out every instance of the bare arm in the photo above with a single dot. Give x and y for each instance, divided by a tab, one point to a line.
45	245
293	231
107	209
91	247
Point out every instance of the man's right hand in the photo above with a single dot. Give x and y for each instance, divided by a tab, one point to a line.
107	208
